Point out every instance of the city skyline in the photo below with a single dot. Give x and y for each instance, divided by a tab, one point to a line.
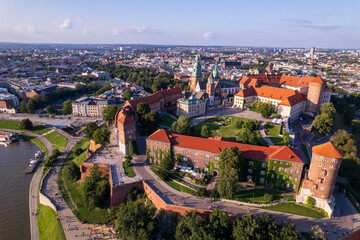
261	24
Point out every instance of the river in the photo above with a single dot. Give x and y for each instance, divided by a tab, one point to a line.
14	190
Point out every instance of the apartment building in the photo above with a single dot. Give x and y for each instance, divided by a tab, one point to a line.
90	106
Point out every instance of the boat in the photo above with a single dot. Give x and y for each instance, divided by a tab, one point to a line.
7	138
31	166
38	154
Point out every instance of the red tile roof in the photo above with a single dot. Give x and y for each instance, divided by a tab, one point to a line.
327	150
215	145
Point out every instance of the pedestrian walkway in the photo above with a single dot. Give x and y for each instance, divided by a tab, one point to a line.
263	134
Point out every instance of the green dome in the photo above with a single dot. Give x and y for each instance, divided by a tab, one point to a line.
196	68
216	74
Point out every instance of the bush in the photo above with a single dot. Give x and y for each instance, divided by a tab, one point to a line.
163	174
310	201
26	124
215	195
78	151
201	192
133	149
268	197
74	172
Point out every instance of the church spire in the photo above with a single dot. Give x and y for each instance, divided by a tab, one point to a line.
216	73
197	68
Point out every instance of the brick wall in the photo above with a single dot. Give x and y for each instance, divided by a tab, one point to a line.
85	170
118	193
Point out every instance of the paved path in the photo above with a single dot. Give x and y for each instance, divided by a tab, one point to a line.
34	185
263	134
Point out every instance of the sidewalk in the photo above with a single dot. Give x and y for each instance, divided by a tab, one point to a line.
263	134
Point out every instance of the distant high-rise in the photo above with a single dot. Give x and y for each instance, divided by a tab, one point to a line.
312	52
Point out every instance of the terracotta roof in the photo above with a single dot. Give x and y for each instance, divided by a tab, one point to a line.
162	135
216	145
317	80
125	120
327	150
246	92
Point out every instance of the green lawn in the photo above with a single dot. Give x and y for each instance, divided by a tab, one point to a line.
224	126
289	197
49	227
256	195
58	148
12	124
277	140
129	171
83	214
56	138
174	184
293	208
79	159
272	130
166	120
305	151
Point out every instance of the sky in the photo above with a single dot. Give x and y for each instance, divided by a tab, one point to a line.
259	23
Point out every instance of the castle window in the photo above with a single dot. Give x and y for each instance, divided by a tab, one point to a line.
295	179
206	156
322	188
262	173
294	186
333	160
297	171
216	158
320	165
291	170
263	165
322	196
272	175
288	185
331	166
249	170
184	152
289	178
216	166
195	161
322	180
285	170
283	177
262	180
206	163
184	159
321	157
251	163
206	170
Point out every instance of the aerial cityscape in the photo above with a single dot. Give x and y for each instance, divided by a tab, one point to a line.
180	120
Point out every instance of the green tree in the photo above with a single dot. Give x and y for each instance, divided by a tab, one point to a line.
310	201
253	105
317	233
50	110
328	108
22	107
345	142
127	94
246	136
286	140
182	126
219	225
90	129
323	123
231	170
108	113
142	109
167	162
133	149
205	132
101	136
151	121
191	226
74	173
26	124
355	125
266	110
30	106
67	109
135	222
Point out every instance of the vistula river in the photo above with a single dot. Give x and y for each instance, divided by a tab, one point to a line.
14	190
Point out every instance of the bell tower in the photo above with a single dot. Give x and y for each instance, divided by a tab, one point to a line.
196	74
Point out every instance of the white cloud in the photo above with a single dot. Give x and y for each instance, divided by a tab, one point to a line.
87	29
79	19
131	30
207	35
29	28
67	24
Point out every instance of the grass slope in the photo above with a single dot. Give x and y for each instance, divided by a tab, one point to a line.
166	120
12	124
293	208
272	130
305	151
49	227
256	195
278	141
57	139
129	171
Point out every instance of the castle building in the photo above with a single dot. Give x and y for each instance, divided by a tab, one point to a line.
125	127
190	107
196	74
275	166
320	179
290	96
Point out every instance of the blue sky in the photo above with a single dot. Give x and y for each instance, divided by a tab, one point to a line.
276	23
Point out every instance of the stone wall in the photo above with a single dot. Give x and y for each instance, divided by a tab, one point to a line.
94	147
118	193
85	170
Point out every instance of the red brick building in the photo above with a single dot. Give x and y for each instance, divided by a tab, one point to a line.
125	127
268	164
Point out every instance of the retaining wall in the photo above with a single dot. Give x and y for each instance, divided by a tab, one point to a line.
44	200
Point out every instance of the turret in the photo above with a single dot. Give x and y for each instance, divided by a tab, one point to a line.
196	74
314	96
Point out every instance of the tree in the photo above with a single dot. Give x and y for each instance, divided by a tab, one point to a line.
50	110
345	142
231	170
182	126
219	225
191	226
96	189
22	107
246	136
133	149
30	106
317	233
78	151
67	108
109	112
355	125
101	136
142	109
167	162
127	94
90	129
286	140
323	123
151	121
266	110
310	201
328	108
253	105
205	132
135	222
74	171
26	124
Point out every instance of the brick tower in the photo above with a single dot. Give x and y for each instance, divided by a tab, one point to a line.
320	179
314	96
196	74
125	129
